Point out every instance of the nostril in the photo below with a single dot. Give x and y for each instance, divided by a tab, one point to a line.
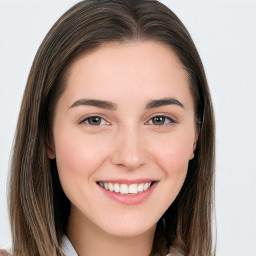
130	162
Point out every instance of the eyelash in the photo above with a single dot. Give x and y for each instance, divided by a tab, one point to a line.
165	117
85	120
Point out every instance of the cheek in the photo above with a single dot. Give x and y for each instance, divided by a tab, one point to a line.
173	153
174	163
77	156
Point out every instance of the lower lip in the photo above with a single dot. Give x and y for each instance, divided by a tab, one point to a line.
129	199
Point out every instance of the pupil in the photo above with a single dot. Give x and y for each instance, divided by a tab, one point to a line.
95	120
159	120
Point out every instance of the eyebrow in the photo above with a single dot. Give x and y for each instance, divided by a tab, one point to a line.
112	106
95	103
163	102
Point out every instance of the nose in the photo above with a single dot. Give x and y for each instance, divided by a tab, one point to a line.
129	149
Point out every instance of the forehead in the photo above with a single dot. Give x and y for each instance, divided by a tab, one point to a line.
133	69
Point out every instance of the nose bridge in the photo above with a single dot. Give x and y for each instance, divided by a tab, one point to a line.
129	148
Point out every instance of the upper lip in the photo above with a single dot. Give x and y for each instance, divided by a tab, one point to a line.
127	181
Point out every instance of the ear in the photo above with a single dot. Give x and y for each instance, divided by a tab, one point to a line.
194	146
50	150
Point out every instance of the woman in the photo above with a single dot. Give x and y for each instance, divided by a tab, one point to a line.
114	149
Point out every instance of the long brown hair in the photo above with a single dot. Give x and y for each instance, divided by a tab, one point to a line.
38	206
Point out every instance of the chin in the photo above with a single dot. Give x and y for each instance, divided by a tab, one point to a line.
128	227
131	232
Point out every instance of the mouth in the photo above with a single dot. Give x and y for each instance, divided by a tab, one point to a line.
126	189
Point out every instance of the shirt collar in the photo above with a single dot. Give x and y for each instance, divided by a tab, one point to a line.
67	247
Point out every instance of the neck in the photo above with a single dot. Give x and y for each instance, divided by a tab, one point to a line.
89	239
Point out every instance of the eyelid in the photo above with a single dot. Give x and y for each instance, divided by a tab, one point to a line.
172	119
84	118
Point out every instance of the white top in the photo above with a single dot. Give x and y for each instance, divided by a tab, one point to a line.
68	248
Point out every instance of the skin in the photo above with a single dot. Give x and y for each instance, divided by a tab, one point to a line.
127	143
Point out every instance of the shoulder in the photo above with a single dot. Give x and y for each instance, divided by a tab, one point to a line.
4	253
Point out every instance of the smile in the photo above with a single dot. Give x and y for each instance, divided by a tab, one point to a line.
125	189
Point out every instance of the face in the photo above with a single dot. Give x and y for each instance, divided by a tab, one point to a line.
124	132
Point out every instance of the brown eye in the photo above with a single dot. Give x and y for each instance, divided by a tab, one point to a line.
95	120
158	120
161	120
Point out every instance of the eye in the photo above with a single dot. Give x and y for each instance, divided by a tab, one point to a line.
95	121
160	120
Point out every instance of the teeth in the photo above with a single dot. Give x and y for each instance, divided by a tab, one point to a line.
126	189
110	187
133	189
116	188
146	186
140	187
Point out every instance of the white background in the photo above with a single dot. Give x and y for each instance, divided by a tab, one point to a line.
225	34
